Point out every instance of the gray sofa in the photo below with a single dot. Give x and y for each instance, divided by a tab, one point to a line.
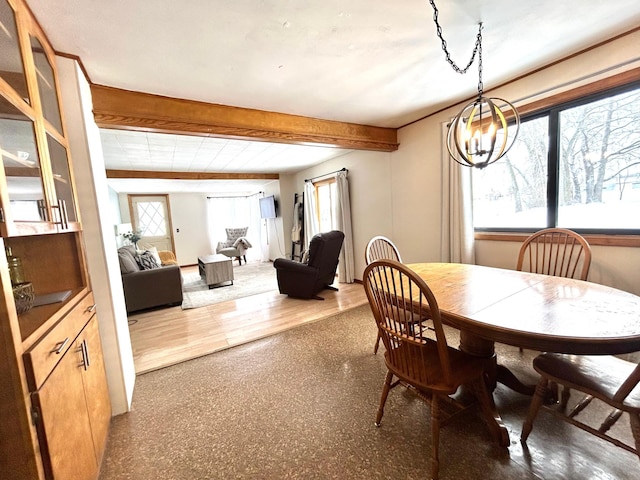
154	287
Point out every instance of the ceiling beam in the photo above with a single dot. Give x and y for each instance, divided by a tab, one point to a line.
124	109
190	175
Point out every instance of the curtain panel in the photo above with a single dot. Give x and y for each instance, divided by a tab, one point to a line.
236	212
457	242
346	264
311	226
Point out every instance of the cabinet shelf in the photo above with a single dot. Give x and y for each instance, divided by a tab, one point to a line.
52	263
37	321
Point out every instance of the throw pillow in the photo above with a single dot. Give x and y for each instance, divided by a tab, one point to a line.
154	251
147	261
128	262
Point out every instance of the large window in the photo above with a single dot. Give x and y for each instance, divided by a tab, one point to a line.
574	166
326	194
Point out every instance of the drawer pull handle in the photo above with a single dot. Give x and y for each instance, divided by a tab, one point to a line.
60	346
91	308
86	362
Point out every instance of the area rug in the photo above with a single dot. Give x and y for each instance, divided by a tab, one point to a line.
248	279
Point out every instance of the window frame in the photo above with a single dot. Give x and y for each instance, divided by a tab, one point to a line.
552	108
316	185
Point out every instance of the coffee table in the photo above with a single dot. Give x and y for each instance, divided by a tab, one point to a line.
215	270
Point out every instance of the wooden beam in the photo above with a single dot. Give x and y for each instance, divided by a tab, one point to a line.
190	175
124	109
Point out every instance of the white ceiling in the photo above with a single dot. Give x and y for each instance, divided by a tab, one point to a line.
373	63
126	150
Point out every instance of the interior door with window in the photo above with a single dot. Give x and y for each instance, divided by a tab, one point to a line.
150	214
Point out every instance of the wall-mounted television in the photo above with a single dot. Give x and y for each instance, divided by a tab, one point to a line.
268	207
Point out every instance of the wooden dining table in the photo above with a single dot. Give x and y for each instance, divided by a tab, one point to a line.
533	311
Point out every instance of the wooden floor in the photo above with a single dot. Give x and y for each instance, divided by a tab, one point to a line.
171	335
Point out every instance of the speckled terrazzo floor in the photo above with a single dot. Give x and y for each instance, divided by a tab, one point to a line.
301	405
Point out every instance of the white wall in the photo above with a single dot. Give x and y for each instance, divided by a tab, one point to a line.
273	228
287	185
99	235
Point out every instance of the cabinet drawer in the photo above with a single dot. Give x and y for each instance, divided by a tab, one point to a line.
44	355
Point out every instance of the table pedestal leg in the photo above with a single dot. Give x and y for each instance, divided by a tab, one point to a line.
484	350
507	378
479	347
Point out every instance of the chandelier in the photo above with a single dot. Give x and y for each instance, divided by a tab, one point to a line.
480	134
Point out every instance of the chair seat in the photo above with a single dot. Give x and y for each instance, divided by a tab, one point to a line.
600	376
229	252
426	361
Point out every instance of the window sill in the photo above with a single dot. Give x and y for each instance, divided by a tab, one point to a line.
606	240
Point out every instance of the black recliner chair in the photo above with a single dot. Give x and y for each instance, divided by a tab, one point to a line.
305	280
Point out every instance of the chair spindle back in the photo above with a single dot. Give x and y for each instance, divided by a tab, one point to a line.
381	247
400	300
556	251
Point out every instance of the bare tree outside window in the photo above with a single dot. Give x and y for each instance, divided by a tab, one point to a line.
512	192
599	183
598	170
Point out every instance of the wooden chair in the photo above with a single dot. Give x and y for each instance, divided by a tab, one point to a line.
607	378
379	248
556	251
418	357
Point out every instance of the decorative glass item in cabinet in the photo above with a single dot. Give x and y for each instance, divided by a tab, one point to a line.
21	165
62	179
46	85
11	67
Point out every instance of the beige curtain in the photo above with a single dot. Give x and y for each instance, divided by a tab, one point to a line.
346	263
457	245
310	219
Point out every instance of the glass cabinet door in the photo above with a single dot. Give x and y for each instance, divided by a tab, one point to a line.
62	179
21	163
46	85
11	66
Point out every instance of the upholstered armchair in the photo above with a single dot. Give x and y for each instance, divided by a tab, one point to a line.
236	244
307	279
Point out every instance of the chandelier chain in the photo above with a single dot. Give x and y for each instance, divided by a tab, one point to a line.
479	45
477	49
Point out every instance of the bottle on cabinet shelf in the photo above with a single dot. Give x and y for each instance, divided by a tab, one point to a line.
23	293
